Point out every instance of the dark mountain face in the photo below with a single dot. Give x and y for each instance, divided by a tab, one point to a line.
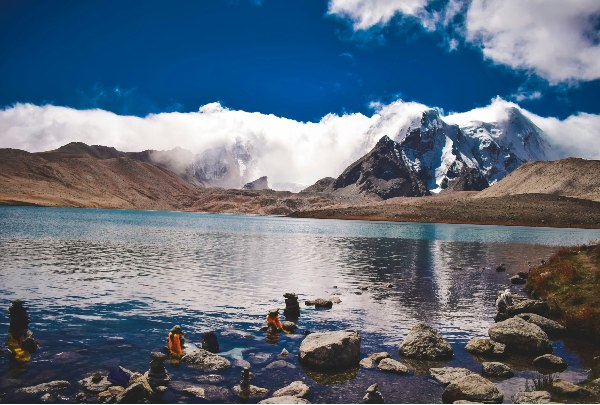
324	185
262	183
382	172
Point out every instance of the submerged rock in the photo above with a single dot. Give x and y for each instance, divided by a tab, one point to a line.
532	397
373	396
295	389
550	362
472	387
331	350
526	305
393	366
95	383
517	280
110	395
49	387
280	364
206	360
446	375
424	342
496	369
284	400
320	303
373	359
485	347
552	328
252	391
568	389
289	326
521	336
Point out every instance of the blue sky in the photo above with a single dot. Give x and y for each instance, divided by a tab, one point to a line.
295	59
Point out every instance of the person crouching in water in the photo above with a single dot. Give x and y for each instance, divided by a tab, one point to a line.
273	323
176	342
20	339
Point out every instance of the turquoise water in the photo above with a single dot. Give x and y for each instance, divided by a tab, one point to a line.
105	286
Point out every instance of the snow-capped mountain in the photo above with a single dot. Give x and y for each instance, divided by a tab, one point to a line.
223	166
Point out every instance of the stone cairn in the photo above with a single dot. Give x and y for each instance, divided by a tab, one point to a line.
210	342
292	307
373	396
245	383
157	375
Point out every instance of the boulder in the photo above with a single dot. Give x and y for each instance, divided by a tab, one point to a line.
446	375
40	389
295	389
550	362
95	383
289	326
110	395
472	387
485	347
280	364
496	369
284	400
373	396
211	393
567	389
525	305
532	397
320	303
552	328
377	357
393	366
367	363
518	280
424	342
134	393
331	350
206	360
521	336
252	391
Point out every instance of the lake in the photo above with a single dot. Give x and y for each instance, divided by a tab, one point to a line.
104	287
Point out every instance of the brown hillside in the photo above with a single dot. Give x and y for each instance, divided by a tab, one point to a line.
571	177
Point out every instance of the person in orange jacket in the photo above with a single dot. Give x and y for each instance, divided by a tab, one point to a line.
176	342
273	322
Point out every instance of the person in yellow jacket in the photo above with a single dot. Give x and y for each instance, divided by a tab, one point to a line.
20	340
176	342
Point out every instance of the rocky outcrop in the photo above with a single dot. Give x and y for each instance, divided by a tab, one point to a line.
445	375
552	328
295	389
324	185
485	347
205	360
550	362
532	397
424	342
95	383
40	389
472	387
393	366
383	172
496	369
262	183
521	336
331	350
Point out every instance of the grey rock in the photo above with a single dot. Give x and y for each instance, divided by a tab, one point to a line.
393	366
259	358
521	336
295	389
262	183
134	393
378	356
472	387
320	303
496	369
517	280
532	397
211	378
252	391
284	353
485	347
40	389
279	364
206	360
445	375
568	389
424	342
48	398
552	328
331	350
373	396
284	400
550	362
95	383
289	326
525	305
367	363
110	394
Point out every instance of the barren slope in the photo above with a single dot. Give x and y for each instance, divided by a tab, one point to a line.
567	177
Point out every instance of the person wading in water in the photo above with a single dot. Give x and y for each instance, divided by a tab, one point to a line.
20	339
176	343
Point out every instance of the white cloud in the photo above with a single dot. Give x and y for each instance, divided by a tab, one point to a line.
286	150
559	41
368	13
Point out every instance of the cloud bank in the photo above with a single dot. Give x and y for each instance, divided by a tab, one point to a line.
286	150
558	41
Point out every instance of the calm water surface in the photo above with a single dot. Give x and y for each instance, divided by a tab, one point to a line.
105	286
